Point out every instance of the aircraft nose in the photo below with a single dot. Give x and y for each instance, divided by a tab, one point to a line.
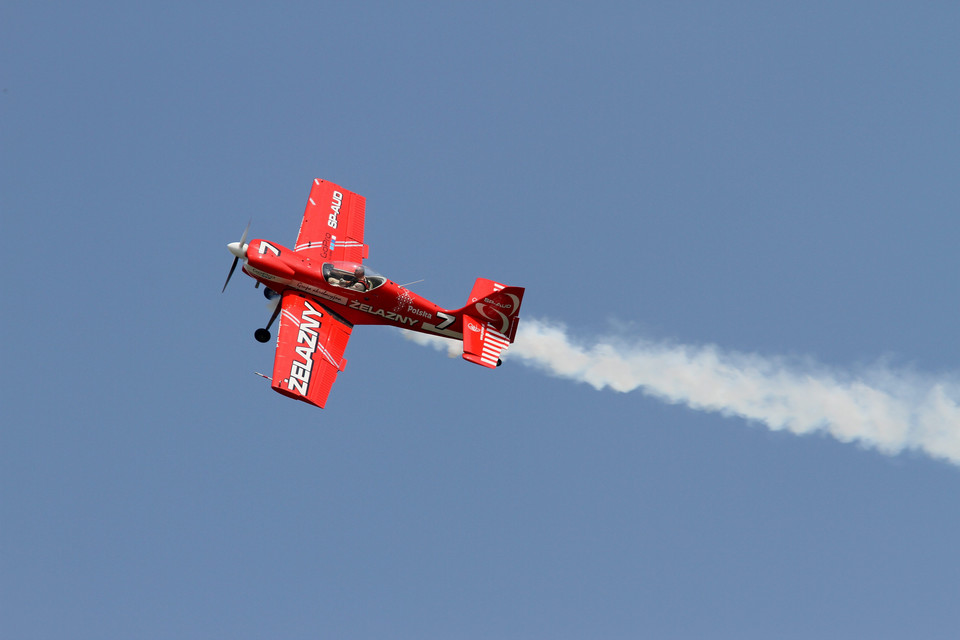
238	249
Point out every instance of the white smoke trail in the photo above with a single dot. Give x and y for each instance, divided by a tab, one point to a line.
878	407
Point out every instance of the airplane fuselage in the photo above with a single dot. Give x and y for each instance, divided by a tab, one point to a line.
371	299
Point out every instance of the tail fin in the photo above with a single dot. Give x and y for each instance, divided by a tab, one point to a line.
490	321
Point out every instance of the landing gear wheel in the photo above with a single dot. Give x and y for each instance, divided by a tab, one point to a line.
262	335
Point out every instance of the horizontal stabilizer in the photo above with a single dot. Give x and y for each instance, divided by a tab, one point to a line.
482	343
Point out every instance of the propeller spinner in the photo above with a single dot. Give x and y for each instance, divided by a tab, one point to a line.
239	250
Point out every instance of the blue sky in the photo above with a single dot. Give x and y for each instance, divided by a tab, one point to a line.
766	178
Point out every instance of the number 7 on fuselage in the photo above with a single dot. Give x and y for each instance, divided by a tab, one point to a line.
325	290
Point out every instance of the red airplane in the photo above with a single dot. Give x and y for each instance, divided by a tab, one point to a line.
325	289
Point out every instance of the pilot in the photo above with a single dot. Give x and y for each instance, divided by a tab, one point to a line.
357	281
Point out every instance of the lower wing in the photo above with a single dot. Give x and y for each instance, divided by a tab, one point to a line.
310	346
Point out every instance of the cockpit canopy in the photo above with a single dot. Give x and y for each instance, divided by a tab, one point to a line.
351	275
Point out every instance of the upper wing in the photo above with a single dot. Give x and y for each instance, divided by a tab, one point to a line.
310	345
332	227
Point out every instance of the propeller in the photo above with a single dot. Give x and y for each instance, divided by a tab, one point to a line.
239	250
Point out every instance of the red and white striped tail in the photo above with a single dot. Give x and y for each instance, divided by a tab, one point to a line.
482	343
490	321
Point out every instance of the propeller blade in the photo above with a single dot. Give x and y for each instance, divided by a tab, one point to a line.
243	238
230	275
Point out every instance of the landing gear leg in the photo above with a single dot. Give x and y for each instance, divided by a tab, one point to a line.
263	335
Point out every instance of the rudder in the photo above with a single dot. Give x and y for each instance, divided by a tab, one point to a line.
495	304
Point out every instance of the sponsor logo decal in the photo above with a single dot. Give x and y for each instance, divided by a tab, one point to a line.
317	291
302	368
325	247
335	205
499	303
419	312
387	315
497	309
263	275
